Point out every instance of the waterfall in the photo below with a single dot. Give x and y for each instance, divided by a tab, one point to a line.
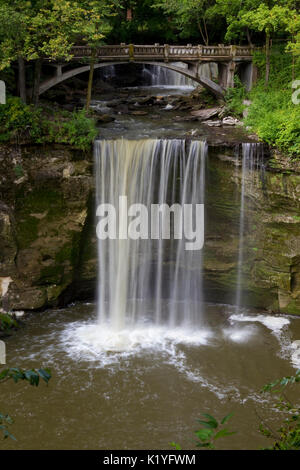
252	160
161	76
109	72
154	280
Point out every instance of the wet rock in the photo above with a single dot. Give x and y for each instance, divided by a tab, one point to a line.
205	114
147	100
213	123
139	113
104	118
186	118
230	121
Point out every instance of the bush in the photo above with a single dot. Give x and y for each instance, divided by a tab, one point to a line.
78	130
273	115
18	120
234	98
39	125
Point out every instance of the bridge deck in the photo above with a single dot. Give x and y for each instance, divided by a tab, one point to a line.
165	53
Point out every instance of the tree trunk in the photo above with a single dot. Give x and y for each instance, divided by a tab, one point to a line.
267	59
36	83
248	37
22	79
90	84
206	33
293	58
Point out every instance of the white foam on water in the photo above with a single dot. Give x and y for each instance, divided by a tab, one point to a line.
112	349
238	335
274	323
277	325
90	340
295	353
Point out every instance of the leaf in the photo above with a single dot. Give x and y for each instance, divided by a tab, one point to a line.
227	418
204	434
207	424
224	433
175	445
212	422
45	374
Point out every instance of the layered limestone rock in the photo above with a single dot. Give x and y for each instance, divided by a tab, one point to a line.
271	267
46	199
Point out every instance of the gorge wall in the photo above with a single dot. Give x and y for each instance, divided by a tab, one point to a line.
48	242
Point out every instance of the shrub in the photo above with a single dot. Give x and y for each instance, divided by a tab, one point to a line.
272	114
234	98
40	125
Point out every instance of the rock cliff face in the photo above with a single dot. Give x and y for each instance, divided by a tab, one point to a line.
271	261
47	255
48	242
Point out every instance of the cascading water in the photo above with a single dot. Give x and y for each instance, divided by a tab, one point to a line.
252	160
161	76
156	281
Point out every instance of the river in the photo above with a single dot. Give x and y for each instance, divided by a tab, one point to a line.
144	384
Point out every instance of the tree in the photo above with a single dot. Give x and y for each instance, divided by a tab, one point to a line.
32	31
13	31
269	20
233	11
94	26
187	12
293	46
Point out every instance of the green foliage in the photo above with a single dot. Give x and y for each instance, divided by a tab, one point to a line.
18	120
23	122
190	17
268	18
49	28
212	430
234	98
7	322
32	376
78	130
272	114
6	420
175	446
287	436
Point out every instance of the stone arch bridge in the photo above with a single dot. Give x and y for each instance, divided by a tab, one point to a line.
230	60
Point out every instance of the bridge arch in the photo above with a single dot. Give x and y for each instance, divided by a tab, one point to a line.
62	76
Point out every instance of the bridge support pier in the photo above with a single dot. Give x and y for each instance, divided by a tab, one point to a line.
248	74
231	69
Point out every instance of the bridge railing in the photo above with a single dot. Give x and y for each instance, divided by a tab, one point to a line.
159	52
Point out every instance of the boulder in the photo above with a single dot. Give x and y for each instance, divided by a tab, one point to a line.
104	118
205	114
229	121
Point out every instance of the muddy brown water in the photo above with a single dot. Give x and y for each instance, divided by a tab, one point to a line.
149	396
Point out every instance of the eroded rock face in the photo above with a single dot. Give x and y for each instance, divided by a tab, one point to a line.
271	267
46	201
